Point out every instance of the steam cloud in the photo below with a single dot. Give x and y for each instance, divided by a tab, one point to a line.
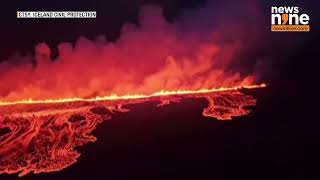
201	49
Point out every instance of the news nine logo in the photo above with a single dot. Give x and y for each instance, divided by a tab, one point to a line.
289	19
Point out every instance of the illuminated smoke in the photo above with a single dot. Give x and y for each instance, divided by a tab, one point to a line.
198	51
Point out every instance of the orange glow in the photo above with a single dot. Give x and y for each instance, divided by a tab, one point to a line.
134	96
43	134
50	103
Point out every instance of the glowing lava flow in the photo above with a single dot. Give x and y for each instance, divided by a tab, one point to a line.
41	135
136	96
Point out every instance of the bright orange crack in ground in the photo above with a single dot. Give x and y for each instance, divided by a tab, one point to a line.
135	96
41	135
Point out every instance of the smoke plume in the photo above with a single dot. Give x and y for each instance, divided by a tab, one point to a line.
202	48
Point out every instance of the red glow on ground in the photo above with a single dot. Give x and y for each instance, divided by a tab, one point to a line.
42	137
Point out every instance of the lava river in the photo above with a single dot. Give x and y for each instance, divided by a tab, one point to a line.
41	136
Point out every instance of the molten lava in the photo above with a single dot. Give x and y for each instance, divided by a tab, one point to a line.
41	136
52	99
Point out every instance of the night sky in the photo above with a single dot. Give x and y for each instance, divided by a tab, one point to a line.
279	140
21	35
